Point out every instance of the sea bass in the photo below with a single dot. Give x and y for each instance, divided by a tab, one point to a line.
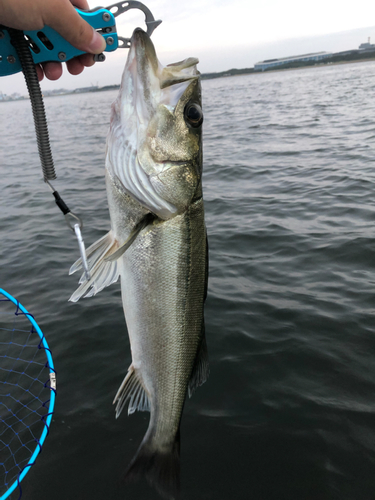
157	245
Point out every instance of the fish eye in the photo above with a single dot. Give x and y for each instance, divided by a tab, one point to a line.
194	114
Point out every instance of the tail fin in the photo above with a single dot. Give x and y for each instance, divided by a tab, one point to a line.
161	468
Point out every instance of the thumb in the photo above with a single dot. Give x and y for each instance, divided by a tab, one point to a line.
66	21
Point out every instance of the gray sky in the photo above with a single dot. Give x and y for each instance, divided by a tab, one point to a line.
230	34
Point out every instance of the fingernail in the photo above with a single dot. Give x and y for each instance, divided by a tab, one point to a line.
97	44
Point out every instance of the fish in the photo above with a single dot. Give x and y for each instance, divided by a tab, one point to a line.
157	246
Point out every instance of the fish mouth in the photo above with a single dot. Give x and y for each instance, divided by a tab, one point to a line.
152	83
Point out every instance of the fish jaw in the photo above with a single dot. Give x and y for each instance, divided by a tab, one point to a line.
151	148
140	88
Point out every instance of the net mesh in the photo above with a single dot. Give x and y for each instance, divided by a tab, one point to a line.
25	391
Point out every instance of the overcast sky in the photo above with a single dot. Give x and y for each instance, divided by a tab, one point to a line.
229	34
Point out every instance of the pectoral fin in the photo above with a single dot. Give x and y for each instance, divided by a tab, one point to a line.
147	219
103	273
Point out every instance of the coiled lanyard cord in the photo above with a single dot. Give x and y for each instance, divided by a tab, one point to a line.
42	136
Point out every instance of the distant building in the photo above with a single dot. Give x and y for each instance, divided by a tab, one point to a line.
272	63
367	46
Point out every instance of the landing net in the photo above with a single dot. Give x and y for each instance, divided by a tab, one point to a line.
27	393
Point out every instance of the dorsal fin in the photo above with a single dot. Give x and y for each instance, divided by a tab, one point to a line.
201	369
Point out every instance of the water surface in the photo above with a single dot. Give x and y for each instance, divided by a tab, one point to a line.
289	183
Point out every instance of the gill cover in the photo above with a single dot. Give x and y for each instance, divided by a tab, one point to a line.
154	142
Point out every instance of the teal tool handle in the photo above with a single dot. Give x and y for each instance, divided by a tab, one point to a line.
47	45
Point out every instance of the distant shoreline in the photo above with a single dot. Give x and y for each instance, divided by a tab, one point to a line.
317	65
324	64
204	76
296	65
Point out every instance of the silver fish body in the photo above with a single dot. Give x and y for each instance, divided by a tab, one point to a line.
158	246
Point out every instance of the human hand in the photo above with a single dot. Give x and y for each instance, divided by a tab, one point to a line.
61	16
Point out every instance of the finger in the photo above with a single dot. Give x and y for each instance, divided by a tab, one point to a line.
75	66
52	70
81	4
39	72
87	60
74	29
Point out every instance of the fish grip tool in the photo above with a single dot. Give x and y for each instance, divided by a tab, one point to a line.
40	121
47	45
25	49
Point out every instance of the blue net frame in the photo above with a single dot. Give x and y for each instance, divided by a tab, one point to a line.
27	393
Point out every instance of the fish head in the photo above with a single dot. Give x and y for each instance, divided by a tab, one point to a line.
154	146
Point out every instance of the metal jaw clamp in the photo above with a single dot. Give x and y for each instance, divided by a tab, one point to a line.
120	7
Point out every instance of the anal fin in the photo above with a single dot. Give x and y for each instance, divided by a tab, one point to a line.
131	390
